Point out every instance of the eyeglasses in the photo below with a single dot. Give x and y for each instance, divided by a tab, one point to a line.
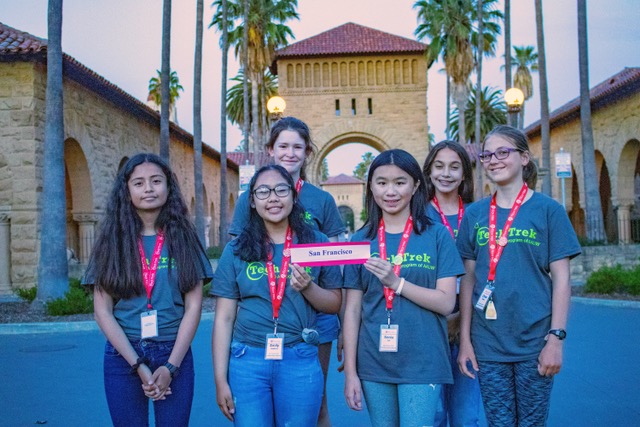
263	192
501	154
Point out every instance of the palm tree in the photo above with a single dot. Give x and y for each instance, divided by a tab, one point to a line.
507	48
155	88
447	24
164	80
594	220
197	123
544	101
478	109
53	273
493	112
525	61
224	194
235	96
246	128
266	32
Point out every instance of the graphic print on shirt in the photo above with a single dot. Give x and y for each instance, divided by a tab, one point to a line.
258	270
516	235
410	260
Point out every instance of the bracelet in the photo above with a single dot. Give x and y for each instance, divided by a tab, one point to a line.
400	286
173	369
141	361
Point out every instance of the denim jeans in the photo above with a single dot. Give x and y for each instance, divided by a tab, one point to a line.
461	402
127	402
275	392
515	394
403	405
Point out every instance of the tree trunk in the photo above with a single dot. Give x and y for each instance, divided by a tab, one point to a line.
460	96
255	114
165	101
53	273
480	53
507	51
594	220
245	81
224	190
544	102
447	130
197	125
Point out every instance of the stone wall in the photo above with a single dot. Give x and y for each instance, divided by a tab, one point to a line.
595	257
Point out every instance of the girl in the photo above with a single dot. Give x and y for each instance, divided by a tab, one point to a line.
515	295
449	180
266	314
148	268
395	332
290	146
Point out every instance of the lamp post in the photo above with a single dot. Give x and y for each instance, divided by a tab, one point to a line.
514	98
276	106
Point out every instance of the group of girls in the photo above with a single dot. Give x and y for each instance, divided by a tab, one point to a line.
275	321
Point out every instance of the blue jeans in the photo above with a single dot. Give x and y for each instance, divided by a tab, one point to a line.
403	405
127	403
461	402
515	394
275	392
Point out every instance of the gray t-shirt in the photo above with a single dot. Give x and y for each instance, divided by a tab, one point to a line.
321	211
423	347
248	283
166	297
541	233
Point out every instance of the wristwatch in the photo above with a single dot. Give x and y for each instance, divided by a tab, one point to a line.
559	333
173	370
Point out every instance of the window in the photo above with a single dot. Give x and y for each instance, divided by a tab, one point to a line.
337	107
370	105
353	106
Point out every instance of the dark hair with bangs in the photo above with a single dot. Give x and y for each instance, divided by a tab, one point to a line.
418	206
114	265
465	190
253	243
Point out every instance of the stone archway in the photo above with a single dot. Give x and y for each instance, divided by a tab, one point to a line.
576	213
626	203
604	186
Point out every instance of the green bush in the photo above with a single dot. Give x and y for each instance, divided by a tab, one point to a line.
205	290
608	280
77	300
28	294
214	252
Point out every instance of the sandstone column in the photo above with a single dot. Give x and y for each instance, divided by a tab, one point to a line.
5	253
624	221
86	234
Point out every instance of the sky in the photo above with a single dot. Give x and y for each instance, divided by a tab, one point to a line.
121	41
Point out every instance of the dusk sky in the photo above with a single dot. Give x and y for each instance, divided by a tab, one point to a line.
121	40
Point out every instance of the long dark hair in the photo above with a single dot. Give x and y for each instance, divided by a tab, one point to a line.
465	190
418	206
254	243
114	265
301	128
521	143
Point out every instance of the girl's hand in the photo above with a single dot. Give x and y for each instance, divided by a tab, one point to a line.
225	400
162	379
383	270
465	355
550	358
353	392
300	280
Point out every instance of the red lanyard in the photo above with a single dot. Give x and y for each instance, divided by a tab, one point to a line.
149	270
299	186
495	251
389	294
444	217
277	291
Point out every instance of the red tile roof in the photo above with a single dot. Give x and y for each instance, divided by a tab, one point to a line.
351	39
240	158
342	179
619	86
18	42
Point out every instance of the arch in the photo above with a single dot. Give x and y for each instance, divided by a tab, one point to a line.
627	171
604	185
77	169
348	217
576	214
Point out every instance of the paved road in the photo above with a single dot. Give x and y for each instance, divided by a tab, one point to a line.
57	377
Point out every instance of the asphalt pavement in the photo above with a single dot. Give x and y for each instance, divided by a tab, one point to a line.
52	374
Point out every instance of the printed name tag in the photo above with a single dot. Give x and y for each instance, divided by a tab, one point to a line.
149	324
275	347
484	297
339	253
389	338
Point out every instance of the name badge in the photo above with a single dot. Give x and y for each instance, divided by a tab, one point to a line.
490	313
389	338
484	297
274	349
149	324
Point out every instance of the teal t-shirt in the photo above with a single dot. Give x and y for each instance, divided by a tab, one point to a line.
423	346
541	233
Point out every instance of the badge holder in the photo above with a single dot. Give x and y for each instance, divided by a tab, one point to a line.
389	336
274	349
149	324
485	296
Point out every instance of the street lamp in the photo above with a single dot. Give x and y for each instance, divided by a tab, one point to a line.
276	106
514	98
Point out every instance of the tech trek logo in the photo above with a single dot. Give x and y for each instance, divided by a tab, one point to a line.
407	258
258	270
516	235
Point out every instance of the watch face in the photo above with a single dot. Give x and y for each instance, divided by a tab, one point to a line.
560	333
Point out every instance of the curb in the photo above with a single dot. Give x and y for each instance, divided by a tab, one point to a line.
53	327
606	302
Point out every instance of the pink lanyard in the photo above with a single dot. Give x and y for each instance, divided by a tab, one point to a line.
444	217
299	186
389	294
149	270
276	291
495	251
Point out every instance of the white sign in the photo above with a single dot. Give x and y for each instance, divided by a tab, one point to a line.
339	253
246	173
563	165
